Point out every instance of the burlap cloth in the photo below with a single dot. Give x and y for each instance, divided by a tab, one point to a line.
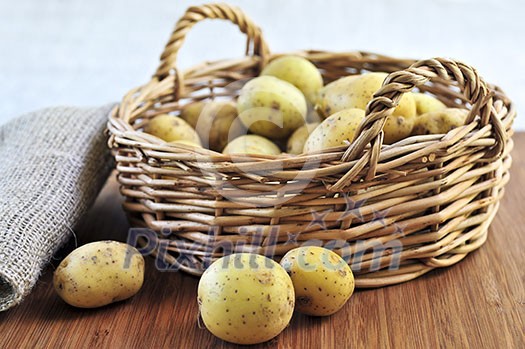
53	163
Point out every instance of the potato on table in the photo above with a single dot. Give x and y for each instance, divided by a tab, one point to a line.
322	280
99	273
245	298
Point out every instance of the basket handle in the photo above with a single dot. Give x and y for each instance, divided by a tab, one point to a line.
388	96
196	14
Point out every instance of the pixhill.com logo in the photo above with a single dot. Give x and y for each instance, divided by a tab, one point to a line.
172	252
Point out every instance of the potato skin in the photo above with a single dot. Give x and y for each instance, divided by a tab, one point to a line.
271	107
441	121
356	91
323	281
297	140
99	273
334	130
252	144
245	298
313	116
426	103
299	72
215	122
397	127
171	128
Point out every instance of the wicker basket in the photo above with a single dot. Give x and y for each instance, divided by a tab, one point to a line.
394	212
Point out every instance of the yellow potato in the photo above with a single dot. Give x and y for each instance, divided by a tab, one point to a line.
297	140
441	121
322	280
299	72
313	116
252	144
397	127
99	273
335	130
216	122
426	103
356	91
245	298
171	128
271	107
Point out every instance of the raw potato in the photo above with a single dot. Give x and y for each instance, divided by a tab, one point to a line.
322	280
397	128
171	128
99	273
439	122
297	140
252	144
299	72
334	130
271	107
245	298
313	116
356	91
426	103
216	122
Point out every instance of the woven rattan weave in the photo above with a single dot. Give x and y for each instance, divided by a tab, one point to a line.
393	211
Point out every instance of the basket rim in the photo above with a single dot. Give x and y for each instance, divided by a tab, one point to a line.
122	130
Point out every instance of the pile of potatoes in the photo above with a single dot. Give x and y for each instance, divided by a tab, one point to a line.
287	109
243	298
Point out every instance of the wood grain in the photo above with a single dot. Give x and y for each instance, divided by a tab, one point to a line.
478	303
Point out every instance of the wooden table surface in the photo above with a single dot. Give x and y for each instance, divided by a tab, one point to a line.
478	303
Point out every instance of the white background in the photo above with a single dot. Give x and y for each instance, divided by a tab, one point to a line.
74	52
